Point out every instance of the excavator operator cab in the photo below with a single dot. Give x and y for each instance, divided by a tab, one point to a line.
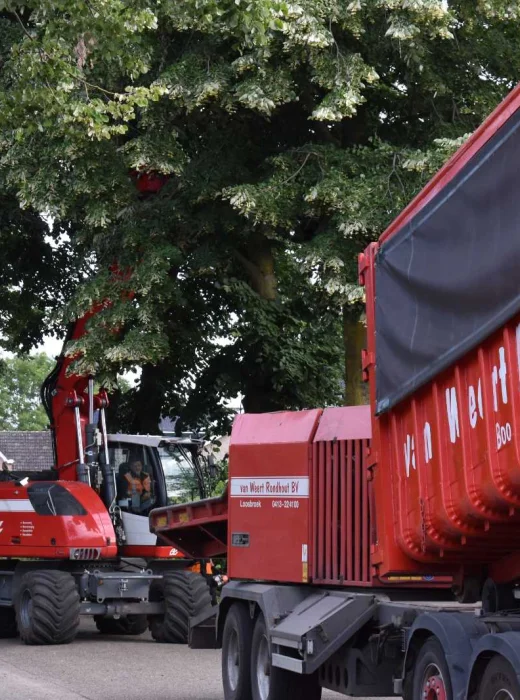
152	471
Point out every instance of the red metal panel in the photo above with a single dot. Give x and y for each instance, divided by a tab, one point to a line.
342	530
313	536
320	545
343	509
269	505
198	529
334	522
328	512
350	512
365	518
357	512
344	423
26	533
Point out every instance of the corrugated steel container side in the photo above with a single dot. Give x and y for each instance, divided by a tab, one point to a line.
341	513
445	460
391	557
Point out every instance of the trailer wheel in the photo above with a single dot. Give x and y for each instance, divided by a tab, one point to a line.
268	683
499	681
236	653
131	625
431	675
47	607
185	595
497	597
8	626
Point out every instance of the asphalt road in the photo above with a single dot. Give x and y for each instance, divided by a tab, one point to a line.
103	668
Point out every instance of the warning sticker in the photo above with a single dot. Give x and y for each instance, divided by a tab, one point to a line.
26	528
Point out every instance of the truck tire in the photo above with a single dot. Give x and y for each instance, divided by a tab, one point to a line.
268	683
185	595
431	675
47	607
8	626
499	681
236	653
131	625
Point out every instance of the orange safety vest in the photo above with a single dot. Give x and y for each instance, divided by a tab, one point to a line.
195	568
138	484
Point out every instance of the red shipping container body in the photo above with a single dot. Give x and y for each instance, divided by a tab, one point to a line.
445	387
300	501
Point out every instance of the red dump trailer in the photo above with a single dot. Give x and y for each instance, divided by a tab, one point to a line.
347	529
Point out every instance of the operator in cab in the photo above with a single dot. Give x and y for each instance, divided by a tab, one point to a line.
138	486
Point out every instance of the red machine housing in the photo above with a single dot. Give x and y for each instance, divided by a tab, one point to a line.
72	524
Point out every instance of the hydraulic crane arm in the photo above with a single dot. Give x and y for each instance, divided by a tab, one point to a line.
71	404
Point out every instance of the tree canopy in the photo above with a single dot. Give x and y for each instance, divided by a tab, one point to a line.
285	136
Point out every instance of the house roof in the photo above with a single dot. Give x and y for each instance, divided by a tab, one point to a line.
30	449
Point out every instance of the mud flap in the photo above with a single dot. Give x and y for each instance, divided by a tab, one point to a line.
203	629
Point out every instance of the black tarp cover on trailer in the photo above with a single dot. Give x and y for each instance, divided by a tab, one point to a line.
451	275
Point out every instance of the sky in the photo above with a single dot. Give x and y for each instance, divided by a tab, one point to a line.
51	346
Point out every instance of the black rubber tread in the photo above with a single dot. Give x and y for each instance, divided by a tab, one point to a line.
185	595
130	625
431	652
499	675
238	621
283	685
55	607
8	626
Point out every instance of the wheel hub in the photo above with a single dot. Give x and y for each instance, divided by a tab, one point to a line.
433	686
233	661
263	669
503	695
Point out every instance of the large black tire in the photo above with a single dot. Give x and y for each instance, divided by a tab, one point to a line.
470	592
8	626
499	681
268	683
185	595
131	625
497	597
47	607
236	653
430	673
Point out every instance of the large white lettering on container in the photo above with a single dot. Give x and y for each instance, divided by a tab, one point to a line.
504	434
500	373
409	454
475	402
453	413
428	447
270	487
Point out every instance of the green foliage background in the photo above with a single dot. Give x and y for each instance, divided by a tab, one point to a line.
20	381
290	133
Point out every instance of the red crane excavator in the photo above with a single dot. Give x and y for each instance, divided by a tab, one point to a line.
75	540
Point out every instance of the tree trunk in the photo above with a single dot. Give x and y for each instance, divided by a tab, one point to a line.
148	401
260	266
261	255
354	340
